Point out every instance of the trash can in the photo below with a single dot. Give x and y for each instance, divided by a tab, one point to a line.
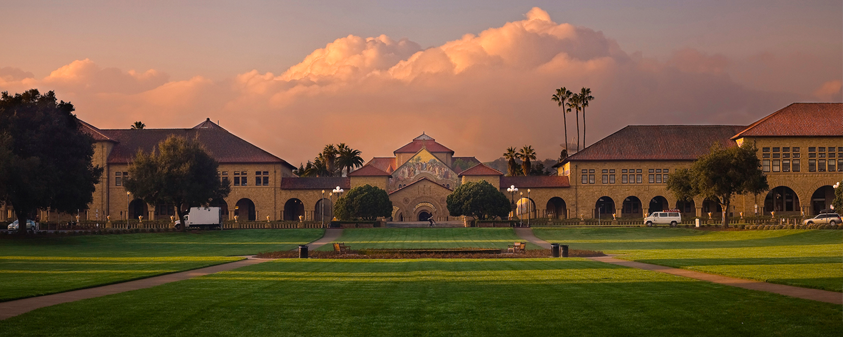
303	251
564	250
554	249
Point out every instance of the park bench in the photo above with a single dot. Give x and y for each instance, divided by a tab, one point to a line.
341	248
518	247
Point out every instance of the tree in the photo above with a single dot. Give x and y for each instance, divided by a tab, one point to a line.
719	175
138	125
838	198
563	94
329	157
45	158
527	153
511	155
574	105
180	173
364	202
348	158
585	97
478	199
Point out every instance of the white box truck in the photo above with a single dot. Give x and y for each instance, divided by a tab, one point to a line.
198	217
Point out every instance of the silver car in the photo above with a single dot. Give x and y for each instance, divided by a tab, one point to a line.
823	219
31	226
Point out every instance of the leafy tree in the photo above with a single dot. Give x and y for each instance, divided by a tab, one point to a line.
575	104
563	155
478	199
838	198
563	94
364	202
45	158
348	158
138	125
511	155
180	173
719	175
527	153
585	97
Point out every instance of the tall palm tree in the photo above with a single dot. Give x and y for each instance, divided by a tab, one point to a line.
511	155
329	158
585	97
138	125
563	94
348	158
527	153
320	168
574	105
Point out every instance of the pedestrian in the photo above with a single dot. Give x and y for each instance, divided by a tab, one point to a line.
430	220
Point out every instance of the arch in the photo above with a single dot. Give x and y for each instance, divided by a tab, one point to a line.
713	207
293	208
687	208
556	208
631	207
604	207
781	199
424	215
658	204
244	209
525	208
222	205
821	199
137	208
324	210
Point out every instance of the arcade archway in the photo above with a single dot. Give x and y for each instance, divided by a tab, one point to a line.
604	207
781	199
658	204
324	210
245	210
821	199
293	208
137	208
556	208
631	207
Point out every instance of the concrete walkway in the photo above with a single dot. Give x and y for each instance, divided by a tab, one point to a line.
331	234
781	289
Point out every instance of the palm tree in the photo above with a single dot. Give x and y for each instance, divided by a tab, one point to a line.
138	125
305	171
348	158
511	155
526	153
574	105
320	168
329	158
563	94
585	97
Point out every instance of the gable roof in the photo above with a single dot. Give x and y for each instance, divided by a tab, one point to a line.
418	182
799	119
386	164
424	142
223	146
368	171
480	170
320	183
94	132
658	142
535	182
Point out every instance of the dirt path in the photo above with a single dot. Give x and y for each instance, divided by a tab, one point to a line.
331	234
798	292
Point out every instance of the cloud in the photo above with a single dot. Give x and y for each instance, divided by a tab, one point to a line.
830	91
477	95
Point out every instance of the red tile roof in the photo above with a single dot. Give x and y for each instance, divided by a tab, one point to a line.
658	142
326	183
419	181
799	119
535	182
424	141
386	164
225	147
480	170
368	171
93	132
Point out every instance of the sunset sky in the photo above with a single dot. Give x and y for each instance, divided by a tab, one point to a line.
292	76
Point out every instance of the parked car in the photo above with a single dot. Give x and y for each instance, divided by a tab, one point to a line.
823	219
672	217
31	226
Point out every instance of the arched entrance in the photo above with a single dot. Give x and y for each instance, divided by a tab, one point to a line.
781	199
658	204
631	207
137	208
245	210
222	205
324	210
525	208
687	208
424	215
604	208
821	199
293	208
556	208
713	207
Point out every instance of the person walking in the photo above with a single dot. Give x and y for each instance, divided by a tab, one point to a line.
430	220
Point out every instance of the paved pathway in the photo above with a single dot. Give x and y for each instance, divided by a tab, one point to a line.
781	289
331	234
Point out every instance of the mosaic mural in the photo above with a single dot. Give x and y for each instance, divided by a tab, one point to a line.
423	165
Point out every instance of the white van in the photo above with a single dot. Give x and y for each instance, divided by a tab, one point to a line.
672	217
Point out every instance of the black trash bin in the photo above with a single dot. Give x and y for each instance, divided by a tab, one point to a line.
554	249
564	250
303	252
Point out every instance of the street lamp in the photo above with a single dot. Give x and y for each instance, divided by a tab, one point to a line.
529	208
336	191
127	207
322	209
512	189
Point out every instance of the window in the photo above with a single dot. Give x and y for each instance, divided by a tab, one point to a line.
664	179
795	165
658	170
612	171
225	177
765	165
776	165
840	149
785	149
651	178
591	171
611	178
658	179
765	149
243	178
785	155
822	149
776	155
623	171
236	178
265	178
831	155
796	149
638	178
118	178
840	165
796	155
831	166
650	171
623	179
812	149
605	179
585	178
262	178
785	165
638	171
775	149
665	170
812	165
605	171
821	165
591	179
765	155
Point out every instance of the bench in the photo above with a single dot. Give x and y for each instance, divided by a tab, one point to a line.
518	247
341	248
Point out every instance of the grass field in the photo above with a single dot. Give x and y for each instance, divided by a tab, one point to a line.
518	297
807	258
45	265
379	238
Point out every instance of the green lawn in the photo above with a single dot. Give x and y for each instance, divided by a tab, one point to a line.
376	238
45	265
807	258
460	297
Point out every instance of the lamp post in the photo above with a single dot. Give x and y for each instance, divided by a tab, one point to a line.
336	191
512	189
128	201
529	207
322	209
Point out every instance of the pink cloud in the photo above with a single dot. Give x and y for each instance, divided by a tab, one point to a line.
830	91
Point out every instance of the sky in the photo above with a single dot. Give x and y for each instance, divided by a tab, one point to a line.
292	76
